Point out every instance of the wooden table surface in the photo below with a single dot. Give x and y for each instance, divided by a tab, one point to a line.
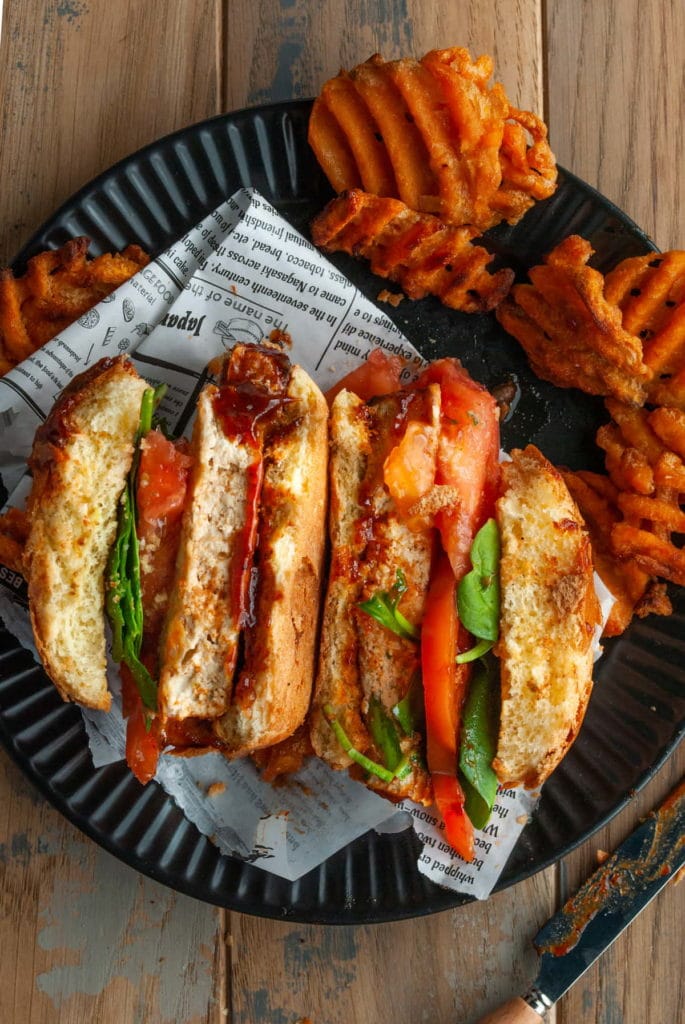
85	938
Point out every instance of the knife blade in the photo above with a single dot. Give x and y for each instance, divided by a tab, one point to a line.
603	907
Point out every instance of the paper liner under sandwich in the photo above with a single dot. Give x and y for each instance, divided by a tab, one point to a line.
241	273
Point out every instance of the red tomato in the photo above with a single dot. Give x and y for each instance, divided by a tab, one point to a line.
409	470
162	485
143	744
378	375
162	478
450	799
468	456
444	688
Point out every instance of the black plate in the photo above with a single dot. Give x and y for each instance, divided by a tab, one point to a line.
636	715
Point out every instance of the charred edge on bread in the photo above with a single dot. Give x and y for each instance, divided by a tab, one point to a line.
56	433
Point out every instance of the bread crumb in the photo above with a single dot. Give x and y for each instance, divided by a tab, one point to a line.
216	789
522	819
393	298
601	856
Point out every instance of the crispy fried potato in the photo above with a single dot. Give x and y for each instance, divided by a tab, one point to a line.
418	251
14	530
649	476
654	554
435	134
58	287
669	427
650	291
572	336
596	497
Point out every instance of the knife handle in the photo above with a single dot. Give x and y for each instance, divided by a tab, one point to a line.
516	1011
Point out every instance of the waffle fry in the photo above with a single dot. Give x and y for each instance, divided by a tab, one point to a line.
650	291
644	458
58	287
635	591
435	134
572	336
13	534
419	252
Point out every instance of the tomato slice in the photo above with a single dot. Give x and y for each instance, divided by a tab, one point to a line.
143	742
378	375
163	473
162	478
444	688
468	456
468	460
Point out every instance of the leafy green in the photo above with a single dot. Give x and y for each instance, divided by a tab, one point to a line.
478	594
355	755
479	743
123	596
383	607
384	734
476	652
410	711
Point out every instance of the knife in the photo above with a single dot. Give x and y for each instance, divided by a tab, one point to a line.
591	920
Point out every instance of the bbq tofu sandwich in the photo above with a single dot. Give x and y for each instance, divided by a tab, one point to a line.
205	557
449	574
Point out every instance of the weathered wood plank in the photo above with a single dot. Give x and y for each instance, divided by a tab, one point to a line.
616	103
84	84
86	938
640	979
449	967
616	107
279	51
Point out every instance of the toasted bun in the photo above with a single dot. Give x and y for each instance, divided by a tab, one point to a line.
81	457
200	642
359	658
254	678
549	613
280	648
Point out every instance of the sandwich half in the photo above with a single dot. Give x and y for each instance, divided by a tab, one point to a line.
205	556
549	614
81	458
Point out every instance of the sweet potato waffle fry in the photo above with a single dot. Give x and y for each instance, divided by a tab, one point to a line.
650	292
572	335
644	459
58	287
418	251
435	134
636	591
14	530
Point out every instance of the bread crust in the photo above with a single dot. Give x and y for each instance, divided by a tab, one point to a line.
80	460
548	618
249	670
279	647
360	659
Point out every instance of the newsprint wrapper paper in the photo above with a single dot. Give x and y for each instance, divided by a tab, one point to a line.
238	275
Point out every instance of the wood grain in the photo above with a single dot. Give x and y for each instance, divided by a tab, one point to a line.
84	937
84	84
616	108
640	979
277	50
616	99
450	967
